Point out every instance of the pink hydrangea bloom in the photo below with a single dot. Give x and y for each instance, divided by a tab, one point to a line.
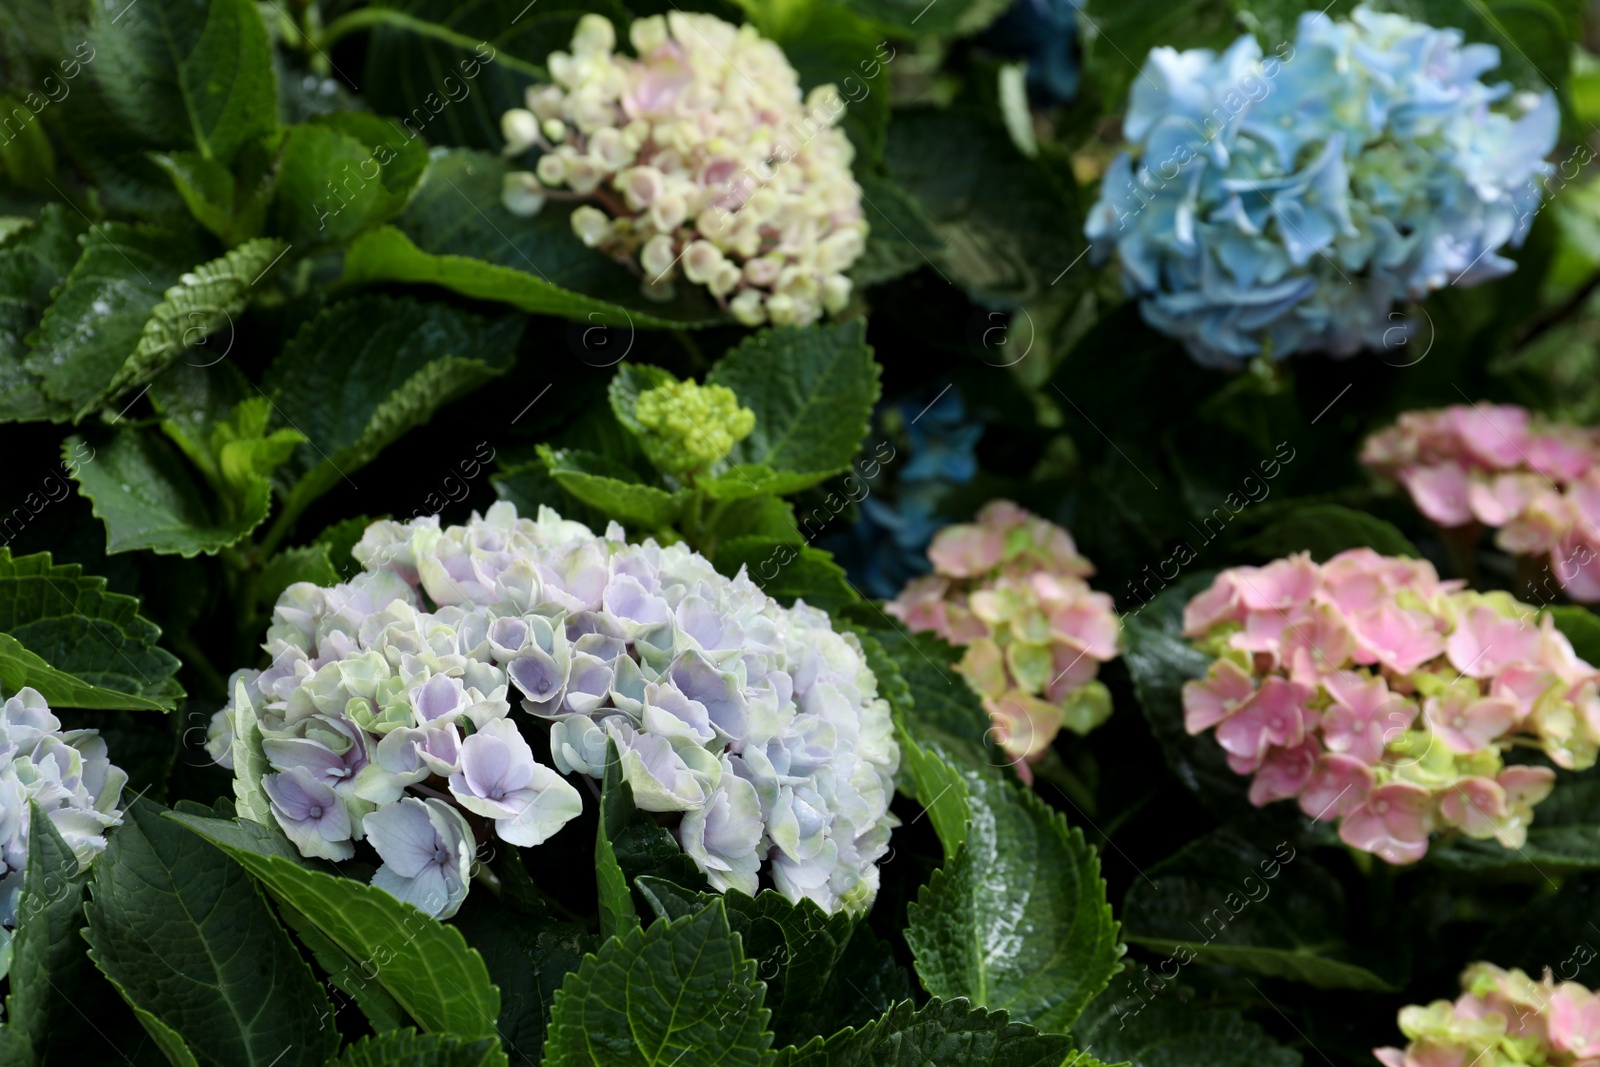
1501	1017
1379	696
1537	484
1010	587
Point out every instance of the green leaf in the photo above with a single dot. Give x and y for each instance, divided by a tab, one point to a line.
630	844
812	391
786	571
148	497
674	992
341	174
76	625
34	259
181	73
902	238
1010	225
612	488
382	1011
423	964
1216	898
939	1032
187	938
1160	660
1168	1032
341	539
1019	919
757	515
309	563
456	233
206	186
630	380
943	710
192	401
449	70
939	787
528	959
19	668
98	318
1581	627
530	486
910	19
407	1048
1325	530
26	156
203	301
828	44
796	947
366	371
46	954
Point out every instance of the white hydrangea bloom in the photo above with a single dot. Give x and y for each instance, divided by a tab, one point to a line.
760	725
702	158
65	772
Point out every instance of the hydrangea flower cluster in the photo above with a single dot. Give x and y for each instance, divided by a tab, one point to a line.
1288	203
1537	483
702	158
1503	1018
1010	587
688	426
67	773
386	712
1376	694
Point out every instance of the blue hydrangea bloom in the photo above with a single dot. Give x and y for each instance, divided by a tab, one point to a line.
1292	200
1045	33
888	545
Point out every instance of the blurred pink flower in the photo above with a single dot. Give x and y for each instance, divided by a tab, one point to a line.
1010	587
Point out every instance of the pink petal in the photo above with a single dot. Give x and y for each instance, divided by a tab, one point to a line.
1279	585
1339	785
1495	435
1467	725
1209	700
1526	786
1399	639
1497	500
1284	773
1477	805
1218	604
1439	492
1393	824
1273	716
1485	642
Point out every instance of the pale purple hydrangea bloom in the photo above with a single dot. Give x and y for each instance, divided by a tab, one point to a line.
760	725
65	772
427	848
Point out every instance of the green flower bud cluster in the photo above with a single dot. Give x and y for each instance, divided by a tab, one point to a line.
689	426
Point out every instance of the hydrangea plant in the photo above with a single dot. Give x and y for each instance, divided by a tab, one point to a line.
702	158
387	714
1010	588
1283	204
67	773
1534	482
1373	693
1502	1017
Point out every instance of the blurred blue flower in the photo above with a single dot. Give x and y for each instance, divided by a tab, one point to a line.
1045	34
888	545
1293	200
